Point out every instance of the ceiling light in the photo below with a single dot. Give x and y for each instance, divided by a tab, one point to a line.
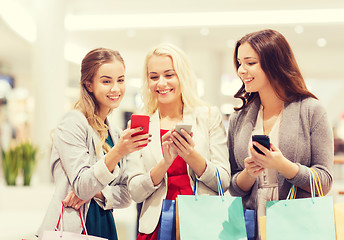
131	33
321	42
201	19
204	31
299	29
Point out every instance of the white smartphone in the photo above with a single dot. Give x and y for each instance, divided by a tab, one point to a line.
186	126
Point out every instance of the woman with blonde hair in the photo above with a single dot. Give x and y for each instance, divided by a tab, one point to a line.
88	158
170	165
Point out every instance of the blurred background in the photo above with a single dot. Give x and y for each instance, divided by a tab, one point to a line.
42	43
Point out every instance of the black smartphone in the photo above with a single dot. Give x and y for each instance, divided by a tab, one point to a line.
263	140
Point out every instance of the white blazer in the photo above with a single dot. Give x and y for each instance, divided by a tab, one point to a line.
210	141
75	166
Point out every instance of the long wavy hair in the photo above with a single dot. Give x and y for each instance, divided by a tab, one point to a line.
182	67
278	63
87	102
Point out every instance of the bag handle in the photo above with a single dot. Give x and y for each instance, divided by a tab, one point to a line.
317	182
219	186
60	220
314	183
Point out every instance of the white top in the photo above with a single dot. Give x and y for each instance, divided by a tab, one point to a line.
267	180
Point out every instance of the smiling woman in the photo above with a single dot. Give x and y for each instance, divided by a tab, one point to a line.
276	102
170	164
89	154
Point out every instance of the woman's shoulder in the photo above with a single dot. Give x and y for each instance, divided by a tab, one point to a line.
73	118
312	106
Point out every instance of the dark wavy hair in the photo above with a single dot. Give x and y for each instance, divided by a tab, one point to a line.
278	63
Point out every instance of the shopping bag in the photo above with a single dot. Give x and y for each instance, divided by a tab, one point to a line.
204	217
306	218
167	227
339	220
262	227
250	222
59	234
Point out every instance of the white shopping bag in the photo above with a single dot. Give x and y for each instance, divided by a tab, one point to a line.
59	234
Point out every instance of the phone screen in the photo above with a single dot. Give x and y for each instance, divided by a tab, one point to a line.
263	140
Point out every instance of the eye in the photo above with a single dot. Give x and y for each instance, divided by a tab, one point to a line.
251	63
169	75
154	77
106	81
120	80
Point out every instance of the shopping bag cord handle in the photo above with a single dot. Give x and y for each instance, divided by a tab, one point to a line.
219	185
82	221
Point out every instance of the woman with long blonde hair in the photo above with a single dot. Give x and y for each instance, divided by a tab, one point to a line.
170	165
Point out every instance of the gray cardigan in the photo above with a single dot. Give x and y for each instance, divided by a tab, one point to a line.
306	138
75	166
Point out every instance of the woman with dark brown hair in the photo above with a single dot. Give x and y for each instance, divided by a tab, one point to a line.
276	103
89	154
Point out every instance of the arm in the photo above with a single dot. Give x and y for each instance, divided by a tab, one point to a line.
70	141
77	157
241	181
322	153
116	195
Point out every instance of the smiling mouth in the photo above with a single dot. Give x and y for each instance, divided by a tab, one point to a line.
248	80
165	91
114	98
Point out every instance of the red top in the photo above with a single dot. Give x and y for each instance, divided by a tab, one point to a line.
178	183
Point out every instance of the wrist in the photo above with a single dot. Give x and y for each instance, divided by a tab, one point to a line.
165	163
289	169
117	152
249	176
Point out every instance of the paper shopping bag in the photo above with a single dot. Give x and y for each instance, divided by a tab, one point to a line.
262	227
250	222
305	218
204	217
339	220
211	217
167	227
59	234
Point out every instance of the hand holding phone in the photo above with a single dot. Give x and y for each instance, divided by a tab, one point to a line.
264	140
186	126
136	121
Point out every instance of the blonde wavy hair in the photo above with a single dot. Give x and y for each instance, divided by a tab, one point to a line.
87	103
182	67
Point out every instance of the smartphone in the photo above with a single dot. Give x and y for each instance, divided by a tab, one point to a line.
137	120
186	126
263	140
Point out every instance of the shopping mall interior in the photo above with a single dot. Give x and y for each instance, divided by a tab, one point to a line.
43	42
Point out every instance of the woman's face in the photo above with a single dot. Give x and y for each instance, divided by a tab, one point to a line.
250	70
108	86
163	81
